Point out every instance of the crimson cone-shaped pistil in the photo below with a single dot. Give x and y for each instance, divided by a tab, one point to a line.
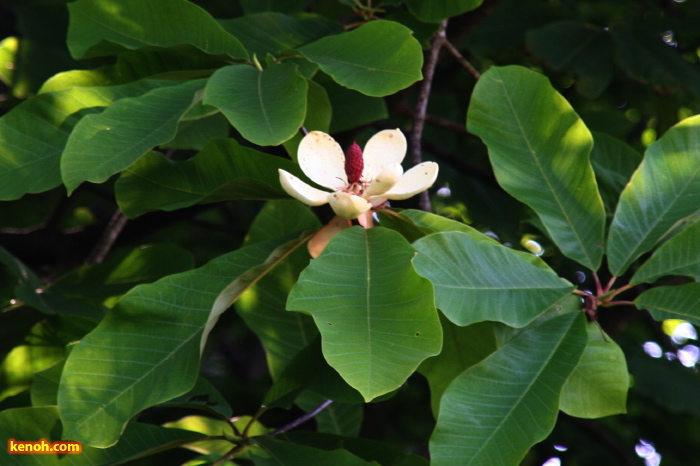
354	163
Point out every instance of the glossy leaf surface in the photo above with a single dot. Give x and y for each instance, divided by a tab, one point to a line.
664	189
377	59
379	322
539	149
476	281
496	410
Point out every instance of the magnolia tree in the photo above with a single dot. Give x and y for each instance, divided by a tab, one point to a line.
454	295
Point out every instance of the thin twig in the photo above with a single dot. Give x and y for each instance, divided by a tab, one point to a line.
109	237
422	106
302	419
462	61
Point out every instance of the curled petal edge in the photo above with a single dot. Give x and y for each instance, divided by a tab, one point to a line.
387	178
302	191
415	180
347	205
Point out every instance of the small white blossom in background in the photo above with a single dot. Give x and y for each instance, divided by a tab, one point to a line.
358	181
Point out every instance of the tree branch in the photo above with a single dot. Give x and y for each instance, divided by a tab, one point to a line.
302	419
422	106
109	237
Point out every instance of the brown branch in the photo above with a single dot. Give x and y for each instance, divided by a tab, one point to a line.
462	61
422	106
302	419
109	237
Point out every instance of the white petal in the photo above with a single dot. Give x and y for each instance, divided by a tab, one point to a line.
384	148
415	180
348	205
386	179
302	191
322	160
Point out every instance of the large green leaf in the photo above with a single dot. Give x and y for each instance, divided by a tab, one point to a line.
539	149
109	26
434	11
462	347
496	410
266	106
664	189
34	133
476	281
104	144
35	423
678	256
262	306
378	58
598	385
270	32
146	351
223	170
376	315
672	302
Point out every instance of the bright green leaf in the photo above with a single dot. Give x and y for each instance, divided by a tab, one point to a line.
434	11
223	170
146	351
598	385
476	281
672	302
496	410
267	106
664	190
678	256
378	58
109	26
379	321
34	133
104	144
539	149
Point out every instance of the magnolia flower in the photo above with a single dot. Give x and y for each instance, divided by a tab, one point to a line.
358	181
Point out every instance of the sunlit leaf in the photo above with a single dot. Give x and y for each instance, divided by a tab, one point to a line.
672	302
664	190
678	256
252	100
106	143
34	134
378	58
377	323
109	26
476	281
496	410
598	385
539	149
127	363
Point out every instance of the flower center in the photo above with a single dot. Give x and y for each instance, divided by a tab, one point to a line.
354	164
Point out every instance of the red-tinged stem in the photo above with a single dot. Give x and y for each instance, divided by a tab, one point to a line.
618	303
609	285
618	291
598	288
